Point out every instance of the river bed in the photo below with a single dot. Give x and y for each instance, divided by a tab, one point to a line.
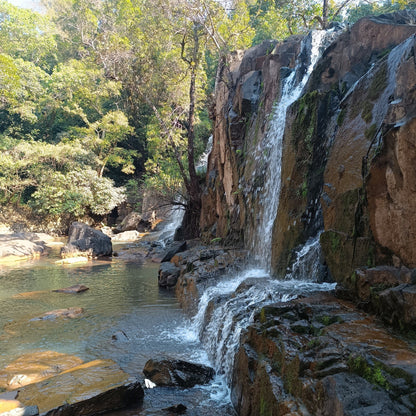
126	318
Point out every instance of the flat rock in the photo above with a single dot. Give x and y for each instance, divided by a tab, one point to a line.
177	373
35	367
72	289
60	313
89	389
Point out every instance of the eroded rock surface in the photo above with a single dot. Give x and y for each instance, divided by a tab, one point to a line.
34	367
319	356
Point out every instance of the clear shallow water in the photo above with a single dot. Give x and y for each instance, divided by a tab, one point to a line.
123	302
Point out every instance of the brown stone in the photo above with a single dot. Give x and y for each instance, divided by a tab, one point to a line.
33	367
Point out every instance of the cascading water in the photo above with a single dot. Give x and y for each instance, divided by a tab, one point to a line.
292	87
227	308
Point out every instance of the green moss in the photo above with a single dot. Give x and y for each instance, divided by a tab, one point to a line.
370	132
329	319
291	380
373	374
341	117
262	317
367	113
379	83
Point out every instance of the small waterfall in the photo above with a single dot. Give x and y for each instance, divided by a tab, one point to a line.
292	87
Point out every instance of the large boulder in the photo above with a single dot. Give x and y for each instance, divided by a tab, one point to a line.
86	241
177	373
89	389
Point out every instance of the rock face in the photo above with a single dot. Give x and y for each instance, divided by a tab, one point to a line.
177	373
90	389
317	356
347	159
85	240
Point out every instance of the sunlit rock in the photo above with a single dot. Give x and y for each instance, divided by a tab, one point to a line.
33	367
89	389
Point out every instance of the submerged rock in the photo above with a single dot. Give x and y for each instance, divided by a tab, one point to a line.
70	313
85	240
72	289
34	367
177	373
87	390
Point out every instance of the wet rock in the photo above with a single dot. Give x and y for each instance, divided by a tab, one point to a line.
172	249
11	407
177	373
34	367
168	275
349	394
68	313
85	240
89	389
72	289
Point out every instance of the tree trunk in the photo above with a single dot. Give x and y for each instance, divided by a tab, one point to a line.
193	209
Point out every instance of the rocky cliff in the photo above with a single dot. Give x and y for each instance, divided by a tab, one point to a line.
347	178
348	150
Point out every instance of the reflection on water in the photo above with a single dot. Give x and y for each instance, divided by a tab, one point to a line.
126	317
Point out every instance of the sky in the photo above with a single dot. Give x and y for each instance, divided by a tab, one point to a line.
28	4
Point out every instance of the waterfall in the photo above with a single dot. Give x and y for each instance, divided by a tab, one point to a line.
291	89
228	307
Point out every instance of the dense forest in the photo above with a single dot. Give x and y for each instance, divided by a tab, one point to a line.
104	100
